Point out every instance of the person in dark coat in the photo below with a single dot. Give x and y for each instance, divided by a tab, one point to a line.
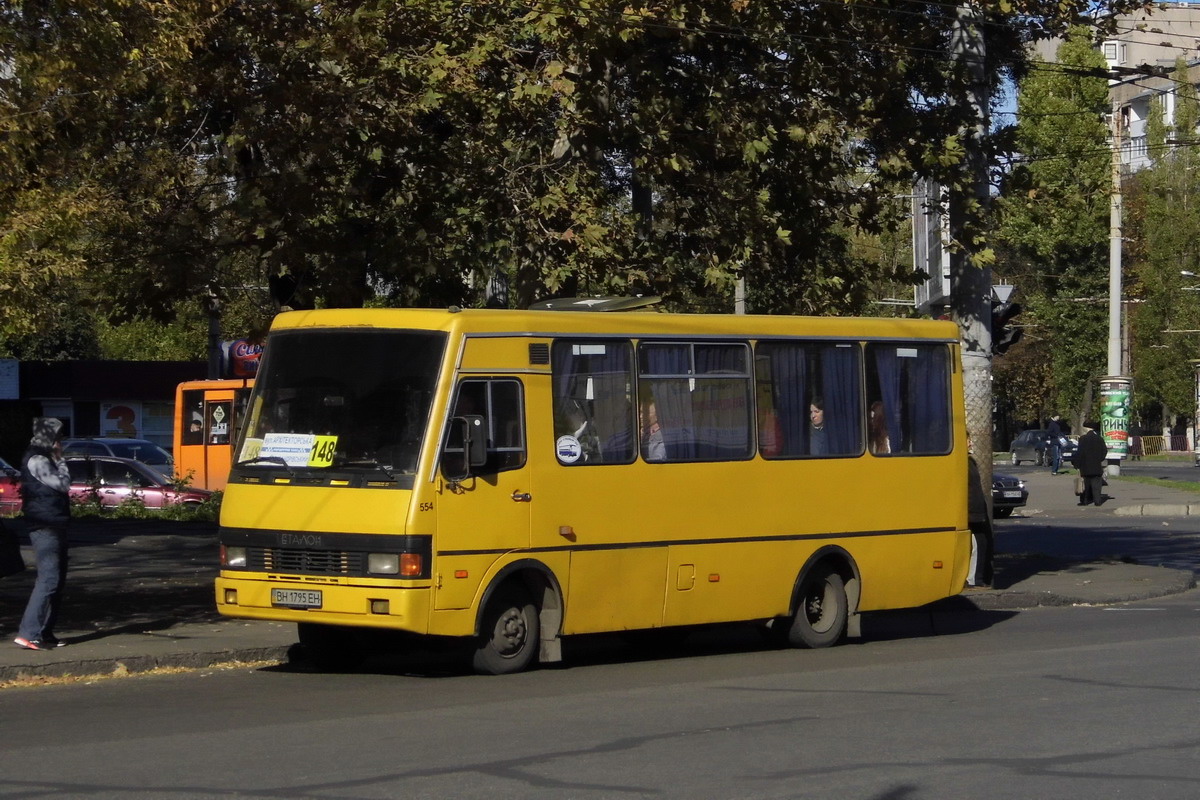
46	505
1089	459
1056	434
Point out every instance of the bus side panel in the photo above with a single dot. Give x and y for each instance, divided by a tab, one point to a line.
732	581
738	533
614	590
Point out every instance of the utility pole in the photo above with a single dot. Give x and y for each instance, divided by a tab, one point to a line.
1115	388
1114	249
971	281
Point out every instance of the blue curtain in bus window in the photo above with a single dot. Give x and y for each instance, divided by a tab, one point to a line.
672	396
887	368
591	399
843	415
721	402
788	383
928	401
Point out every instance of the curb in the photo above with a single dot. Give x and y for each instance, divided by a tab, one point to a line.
133	664
1160	510
1171	582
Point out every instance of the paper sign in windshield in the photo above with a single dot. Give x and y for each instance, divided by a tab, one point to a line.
299	449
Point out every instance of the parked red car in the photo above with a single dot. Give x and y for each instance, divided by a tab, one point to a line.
113	480
10	489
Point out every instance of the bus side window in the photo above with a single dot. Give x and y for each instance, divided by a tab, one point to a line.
908	387
593	402
501	403
193	417
809	399
696	400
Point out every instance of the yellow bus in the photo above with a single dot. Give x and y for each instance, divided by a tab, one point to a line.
207	414
521	476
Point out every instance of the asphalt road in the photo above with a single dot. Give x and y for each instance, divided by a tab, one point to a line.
1063	703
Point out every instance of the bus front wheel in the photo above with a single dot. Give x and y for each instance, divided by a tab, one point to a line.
822	610
509	634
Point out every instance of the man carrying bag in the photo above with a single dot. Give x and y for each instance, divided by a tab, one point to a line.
1089	459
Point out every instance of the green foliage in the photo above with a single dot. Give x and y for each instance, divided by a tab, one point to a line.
134	507
1053	225
406	153
1163	229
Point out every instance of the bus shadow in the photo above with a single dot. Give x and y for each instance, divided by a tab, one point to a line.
412	656
950	617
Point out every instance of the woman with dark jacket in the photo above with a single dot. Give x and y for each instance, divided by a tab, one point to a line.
45	492
1089	459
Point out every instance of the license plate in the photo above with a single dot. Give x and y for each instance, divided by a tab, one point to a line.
296	598
1006	494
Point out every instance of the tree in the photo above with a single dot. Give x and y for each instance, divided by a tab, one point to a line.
356	150
1053	219
1163	234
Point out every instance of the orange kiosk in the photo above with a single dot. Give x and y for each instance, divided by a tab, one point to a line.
207	414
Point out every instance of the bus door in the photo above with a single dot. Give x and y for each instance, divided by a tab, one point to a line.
485	515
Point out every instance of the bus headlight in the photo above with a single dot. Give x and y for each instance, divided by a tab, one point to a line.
406	565
383	563
233	556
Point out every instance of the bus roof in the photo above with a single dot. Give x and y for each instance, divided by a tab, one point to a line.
633	323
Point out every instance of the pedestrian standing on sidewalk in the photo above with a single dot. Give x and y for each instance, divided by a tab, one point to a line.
45	492
1055	443
1089	459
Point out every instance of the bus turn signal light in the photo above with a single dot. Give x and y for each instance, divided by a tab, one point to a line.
410	565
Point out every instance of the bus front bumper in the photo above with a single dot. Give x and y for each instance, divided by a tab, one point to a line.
377	606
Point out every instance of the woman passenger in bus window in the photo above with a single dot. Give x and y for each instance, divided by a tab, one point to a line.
877	429
653	447
818	445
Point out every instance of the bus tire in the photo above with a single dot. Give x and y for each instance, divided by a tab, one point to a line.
508	635
821	610
330	648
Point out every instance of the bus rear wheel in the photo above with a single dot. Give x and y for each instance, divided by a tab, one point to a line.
821	611
509	634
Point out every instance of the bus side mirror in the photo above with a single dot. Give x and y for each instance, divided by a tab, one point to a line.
475	439
470	431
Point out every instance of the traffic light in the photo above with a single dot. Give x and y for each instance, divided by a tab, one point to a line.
1004	333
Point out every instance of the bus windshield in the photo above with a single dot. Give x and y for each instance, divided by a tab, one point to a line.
344	400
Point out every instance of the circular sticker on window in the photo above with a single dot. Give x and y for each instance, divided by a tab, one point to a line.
568	449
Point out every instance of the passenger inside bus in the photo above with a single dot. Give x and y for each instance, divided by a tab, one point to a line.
818	445
653	447
877	430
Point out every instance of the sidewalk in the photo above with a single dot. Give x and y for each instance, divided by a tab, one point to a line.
140	594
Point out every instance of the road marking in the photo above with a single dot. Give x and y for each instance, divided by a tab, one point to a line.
1135	609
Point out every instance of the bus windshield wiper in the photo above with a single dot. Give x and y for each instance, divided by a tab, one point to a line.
369	463
267	460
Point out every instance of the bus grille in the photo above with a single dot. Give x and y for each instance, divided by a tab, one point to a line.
306	562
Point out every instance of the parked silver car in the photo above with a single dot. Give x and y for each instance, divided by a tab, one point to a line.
1034	447
142	450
